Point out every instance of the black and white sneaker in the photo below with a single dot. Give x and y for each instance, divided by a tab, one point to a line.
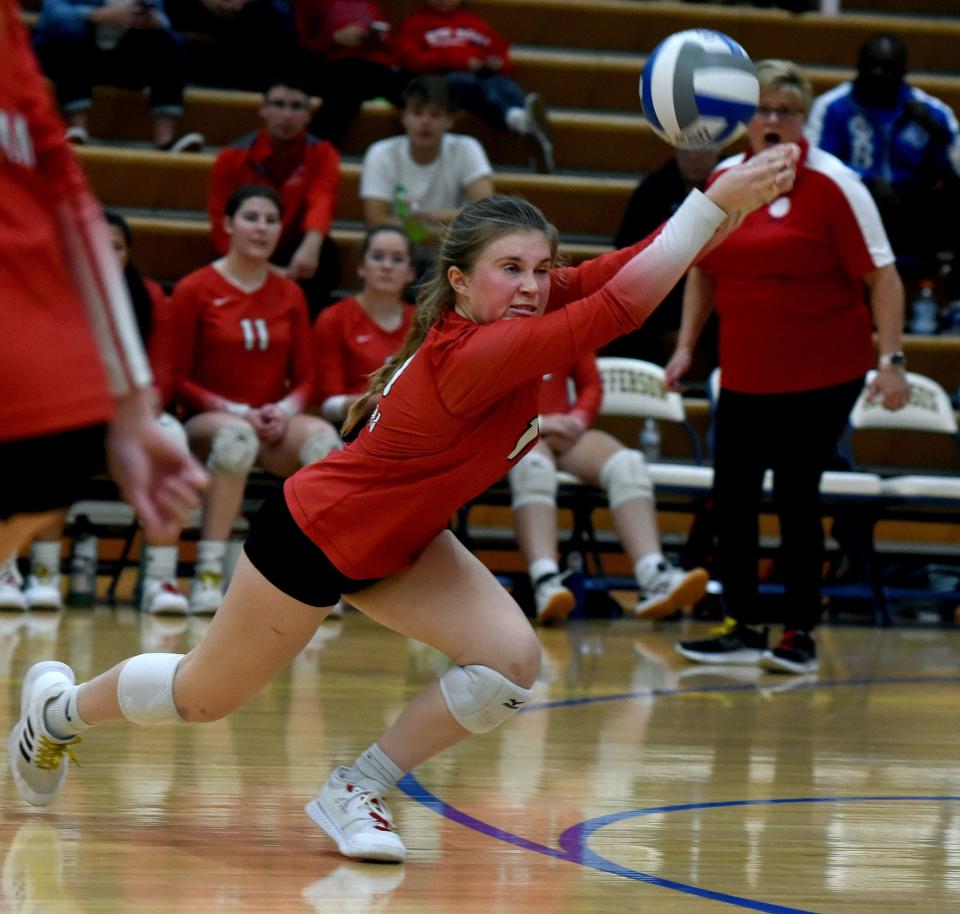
730	643
796	653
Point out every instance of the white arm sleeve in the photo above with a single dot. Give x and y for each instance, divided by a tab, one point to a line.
97	277
655	270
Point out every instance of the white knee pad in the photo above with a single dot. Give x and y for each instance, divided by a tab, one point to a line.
480	698
318	445
234	449
145	689
172	428
624	476
533	481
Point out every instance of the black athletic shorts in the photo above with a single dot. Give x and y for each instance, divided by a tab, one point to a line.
291	561
49	472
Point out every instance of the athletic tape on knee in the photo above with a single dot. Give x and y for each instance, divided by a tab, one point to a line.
481	698
233	449
318	445
174	431
145	689
625	475
533	481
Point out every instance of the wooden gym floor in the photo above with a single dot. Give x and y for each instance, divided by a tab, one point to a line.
634	783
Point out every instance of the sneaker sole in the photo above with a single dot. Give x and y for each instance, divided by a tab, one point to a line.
316	813
558	608
773	663
689	592
746	657
13	740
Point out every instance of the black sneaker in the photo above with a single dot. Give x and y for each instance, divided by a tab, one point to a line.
796	653
731	643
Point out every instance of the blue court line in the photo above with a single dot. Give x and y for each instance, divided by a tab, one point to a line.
573	842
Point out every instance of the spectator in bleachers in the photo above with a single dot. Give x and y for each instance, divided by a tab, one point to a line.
905	145
244	373
160	592
304	171
794	288
354	337
352	58
421	179
567	442
443	38
655	200
238	44
129	43
78	402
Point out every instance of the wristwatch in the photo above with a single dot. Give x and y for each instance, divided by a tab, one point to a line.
895	360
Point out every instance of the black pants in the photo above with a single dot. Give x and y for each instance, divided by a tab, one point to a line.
142	57
795	435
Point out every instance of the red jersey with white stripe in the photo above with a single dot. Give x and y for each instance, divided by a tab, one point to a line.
459	413
240	347
349	346
788	283
67	335
587	386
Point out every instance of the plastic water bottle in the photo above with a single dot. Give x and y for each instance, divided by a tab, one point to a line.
83	565
406	213
650	440
923	311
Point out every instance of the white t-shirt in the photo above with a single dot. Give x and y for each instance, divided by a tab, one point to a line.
439	185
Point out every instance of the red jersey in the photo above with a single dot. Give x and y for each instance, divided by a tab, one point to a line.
430	41
240	347
788	283
555	390
458	414
349	346
306	175
318	20
67	335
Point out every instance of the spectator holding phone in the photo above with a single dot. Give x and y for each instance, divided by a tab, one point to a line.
130	43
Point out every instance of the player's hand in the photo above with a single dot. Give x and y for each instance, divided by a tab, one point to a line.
754	183
892	388
351	36
274	421
159	481
676	368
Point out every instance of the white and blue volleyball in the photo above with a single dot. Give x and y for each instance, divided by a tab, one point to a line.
698	88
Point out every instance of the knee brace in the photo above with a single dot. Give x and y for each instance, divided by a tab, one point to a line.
533	481
145	689
480	698
318	445
234	449
172	428
624	475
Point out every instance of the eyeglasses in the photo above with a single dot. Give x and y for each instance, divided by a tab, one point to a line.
281	105
782	113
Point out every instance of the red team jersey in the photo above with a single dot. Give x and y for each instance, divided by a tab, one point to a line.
555	391
349	346
458	415
55	261
788	283
160	346
434	41
240	347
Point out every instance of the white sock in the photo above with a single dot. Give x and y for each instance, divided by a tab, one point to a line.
375	771
160	563
45	554
649	567
62	717
541	567
517	120
210	555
